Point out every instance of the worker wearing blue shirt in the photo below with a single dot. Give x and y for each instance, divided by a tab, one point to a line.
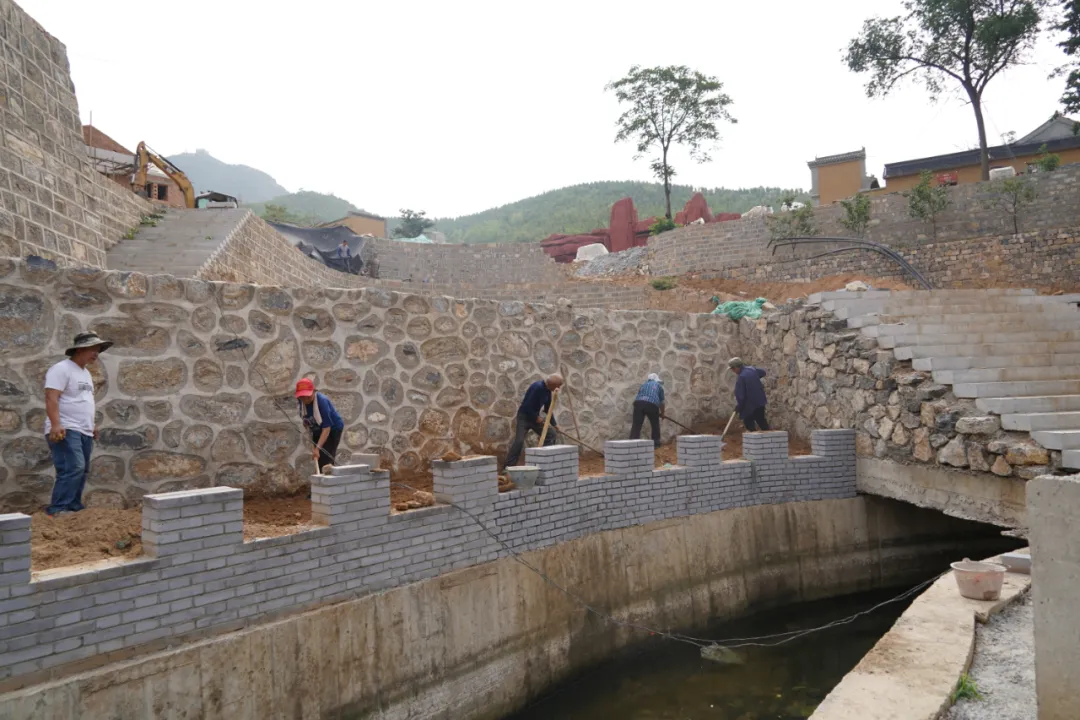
531	415
322	419
649	403
749	395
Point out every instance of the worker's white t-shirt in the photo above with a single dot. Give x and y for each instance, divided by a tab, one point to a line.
76	396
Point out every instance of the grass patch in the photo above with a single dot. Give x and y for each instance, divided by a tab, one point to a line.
664	283
966	689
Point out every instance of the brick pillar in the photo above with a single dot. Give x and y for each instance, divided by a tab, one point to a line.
837	476
629	458
700	451
557	463
473	484
1053	504
14	549
769	453
350	493
191	521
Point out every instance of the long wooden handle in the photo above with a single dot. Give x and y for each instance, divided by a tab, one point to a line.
587	447
728	426
547	420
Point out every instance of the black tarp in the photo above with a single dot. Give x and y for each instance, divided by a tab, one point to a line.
322	243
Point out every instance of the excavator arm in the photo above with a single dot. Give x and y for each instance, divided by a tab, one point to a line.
144	155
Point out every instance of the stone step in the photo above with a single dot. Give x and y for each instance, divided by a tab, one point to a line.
1028	324
1070	459
817	298
1057	439
1007	374
1028	422
992	338
1037	303
949	349
1019	388
973	362
1030	404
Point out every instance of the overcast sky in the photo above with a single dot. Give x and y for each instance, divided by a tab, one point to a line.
455	107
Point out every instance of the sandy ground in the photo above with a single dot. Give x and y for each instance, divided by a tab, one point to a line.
100	533
1004	668
692	294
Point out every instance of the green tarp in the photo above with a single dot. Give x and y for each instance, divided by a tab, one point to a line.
737	309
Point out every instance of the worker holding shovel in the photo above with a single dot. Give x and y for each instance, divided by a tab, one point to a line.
531	416
649	403
749	395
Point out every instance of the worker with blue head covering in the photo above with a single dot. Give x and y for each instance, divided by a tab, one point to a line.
649	403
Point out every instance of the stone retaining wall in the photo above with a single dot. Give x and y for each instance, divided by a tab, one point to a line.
201	576
493	264
54	204
255	252
973	241
198	389
822	374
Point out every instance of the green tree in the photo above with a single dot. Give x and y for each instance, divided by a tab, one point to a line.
856	214
272	212
927	200
412	224
1011	196
1047	161
1069	23
791	221
668	106
939	42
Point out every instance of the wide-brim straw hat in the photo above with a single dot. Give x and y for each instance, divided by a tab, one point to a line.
87	340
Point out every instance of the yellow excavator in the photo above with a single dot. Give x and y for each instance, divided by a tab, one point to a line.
144	156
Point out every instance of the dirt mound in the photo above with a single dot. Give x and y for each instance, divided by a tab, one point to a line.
692	292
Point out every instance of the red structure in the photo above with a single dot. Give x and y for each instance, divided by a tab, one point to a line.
625	231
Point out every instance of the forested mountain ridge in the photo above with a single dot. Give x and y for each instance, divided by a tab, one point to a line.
581	208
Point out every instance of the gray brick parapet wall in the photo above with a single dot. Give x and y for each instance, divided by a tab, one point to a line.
200	577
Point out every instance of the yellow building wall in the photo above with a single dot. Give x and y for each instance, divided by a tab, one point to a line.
363	225
973	173
839	181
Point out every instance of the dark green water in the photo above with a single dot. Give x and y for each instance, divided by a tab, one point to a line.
664	680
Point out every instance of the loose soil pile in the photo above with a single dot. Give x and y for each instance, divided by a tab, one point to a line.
692	293
101	533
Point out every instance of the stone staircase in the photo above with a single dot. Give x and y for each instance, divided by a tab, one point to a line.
180	243
1017	354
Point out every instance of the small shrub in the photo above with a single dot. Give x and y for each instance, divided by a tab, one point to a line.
662	225
1047	161
856	214
791	221
664	283
966	689
927	200
130	234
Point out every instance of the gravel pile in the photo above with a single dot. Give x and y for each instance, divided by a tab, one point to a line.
632	261
1003	668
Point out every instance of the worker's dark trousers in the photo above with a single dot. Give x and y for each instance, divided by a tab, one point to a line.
522	426
645	409
756	420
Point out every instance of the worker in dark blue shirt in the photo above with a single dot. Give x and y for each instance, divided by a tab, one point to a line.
531	415
321	418
649	403
749	395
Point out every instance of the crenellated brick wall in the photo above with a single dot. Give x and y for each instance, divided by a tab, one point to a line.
199	577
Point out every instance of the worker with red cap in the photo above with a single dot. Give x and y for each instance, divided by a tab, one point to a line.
322	419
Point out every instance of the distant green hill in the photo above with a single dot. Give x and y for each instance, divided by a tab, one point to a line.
206	172
308	207
580	208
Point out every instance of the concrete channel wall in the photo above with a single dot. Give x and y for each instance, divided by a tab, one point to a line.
481	641
201	575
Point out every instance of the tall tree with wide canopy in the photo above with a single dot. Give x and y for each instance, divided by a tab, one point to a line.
942	42
670	106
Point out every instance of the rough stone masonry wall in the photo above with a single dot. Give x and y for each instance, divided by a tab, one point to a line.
821	374
54	204
492	264
198	389
201	576
974	242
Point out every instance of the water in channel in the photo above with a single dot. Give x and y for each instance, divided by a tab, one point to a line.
665	680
